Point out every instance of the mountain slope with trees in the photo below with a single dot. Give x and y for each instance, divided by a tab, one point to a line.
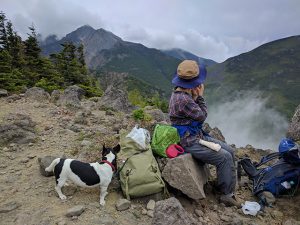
273	70
23	66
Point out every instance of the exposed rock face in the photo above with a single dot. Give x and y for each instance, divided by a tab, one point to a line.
156	114
185	174
71	96
18	129
55	96
37	94
13	98
213	132
115	95
3	93
170	211
294	127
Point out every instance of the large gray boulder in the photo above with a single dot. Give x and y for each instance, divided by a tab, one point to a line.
156	114
115	99
37	94
71	97
187	175
171	212
18	128
294	127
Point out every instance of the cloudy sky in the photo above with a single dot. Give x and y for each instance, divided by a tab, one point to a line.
215	29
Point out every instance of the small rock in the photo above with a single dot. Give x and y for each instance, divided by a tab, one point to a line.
5	149
9	207
291	222
61	222
276	214
199	213
123	204
3	93
86	143
215	208
44	163
24	160
144	212
150	213
225	218
75	211
74	217
151	205
43	139
107	220
30	144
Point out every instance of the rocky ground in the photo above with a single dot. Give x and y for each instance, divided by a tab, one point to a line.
36	127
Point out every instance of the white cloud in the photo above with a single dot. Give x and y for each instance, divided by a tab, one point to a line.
212	29
247	120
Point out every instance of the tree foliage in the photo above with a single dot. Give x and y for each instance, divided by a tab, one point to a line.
21	64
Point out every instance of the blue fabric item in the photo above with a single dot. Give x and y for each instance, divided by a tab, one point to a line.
192	83
285	145
194	128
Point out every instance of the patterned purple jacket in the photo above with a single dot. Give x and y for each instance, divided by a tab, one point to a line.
183	110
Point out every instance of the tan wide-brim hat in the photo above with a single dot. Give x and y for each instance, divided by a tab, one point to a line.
189	74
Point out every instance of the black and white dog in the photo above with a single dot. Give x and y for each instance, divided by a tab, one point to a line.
85	174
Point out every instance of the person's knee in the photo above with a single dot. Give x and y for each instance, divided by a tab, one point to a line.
227	156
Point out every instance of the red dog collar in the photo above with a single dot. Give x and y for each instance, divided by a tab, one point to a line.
109	163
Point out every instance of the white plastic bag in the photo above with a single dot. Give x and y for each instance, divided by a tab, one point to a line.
140	135
250	208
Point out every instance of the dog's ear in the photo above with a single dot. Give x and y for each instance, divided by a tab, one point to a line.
117	148
104	150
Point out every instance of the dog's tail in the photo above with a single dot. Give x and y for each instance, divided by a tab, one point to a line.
52	165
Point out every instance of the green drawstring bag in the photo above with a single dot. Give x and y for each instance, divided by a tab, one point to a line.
163	137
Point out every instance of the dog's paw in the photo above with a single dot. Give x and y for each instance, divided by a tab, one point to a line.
102	203
63	197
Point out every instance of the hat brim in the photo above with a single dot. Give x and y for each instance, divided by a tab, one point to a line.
192	83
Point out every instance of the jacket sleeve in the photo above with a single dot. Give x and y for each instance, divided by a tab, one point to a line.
196	110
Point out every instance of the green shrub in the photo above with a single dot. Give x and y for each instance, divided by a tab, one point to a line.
46	85
139	114
91	91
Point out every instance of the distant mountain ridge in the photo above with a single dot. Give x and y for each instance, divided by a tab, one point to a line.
272	69
182	55
106	52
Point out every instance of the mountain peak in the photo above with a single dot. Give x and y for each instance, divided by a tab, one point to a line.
85	28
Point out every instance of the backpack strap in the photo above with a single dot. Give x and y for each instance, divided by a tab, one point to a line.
269	157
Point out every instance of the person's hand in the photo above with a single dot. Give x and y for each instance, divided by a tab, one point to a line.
198	91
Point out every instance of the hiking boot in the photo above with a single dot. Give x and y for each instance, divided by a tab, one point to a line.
229	201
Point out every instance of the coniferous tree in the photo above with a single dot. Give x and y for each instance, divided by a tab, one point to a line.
33	60
15	46
3	35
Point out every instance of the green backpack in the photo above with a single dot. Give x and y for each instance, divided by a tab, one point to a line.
163	136
138	170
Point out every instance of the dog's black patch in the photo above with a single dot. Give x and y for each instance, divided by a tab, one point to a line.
85	172
58	169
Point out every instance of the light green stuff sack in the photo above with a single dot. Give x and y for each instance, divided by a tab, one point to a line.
138	170
163	137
